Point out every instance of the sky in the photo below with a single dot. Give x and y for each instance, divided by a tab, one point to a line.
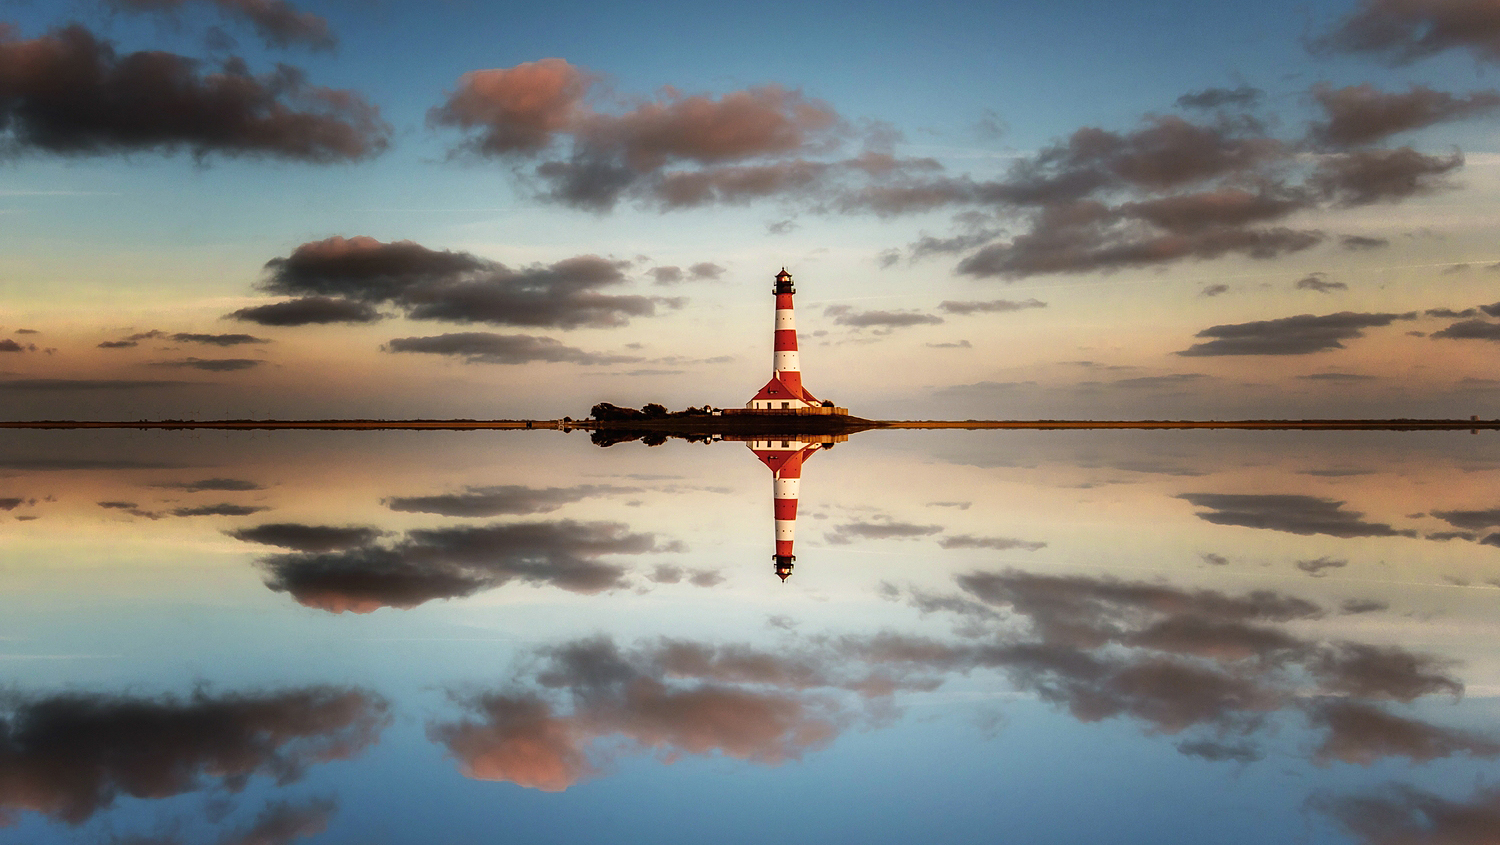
367	208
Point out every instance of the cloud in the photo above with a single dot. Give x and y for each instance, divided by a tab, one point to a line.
72	755
1357	606
1220	751
962	344
8	345
213	365
428	564
1300	335
491	348
430	284
994	305
230	484
1216	98
1360	242
182	337
309	310
850	531
1305	515
1470	330
845	315
1319	282
1214	290
1365	177
68	93
1473	520
969	541
1359	114
1403	31
1316	566
278	22
665	275
513	499
668	574
308	538
537	109
705	271
219	510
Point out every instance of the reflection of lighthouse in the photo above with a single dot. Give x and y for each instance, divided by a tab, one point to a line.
785	458
784	392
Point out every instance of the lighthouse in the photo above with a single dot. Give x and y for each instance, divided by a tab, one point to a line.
784	457
784	392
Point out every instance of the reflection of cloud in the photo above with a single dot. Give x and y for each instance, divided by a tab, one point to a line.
224	484
281	822
969	541
1358	733
72	755
1403	815
1316	566
1304	515
678	699
512	499
883	530
435	563
219	510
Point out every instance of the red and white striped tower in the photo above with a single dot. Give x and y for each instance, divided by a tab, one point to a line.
784	392
785	459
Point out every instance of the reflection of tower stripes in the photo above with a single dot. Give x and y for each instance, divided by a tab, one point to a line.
785	458
784	392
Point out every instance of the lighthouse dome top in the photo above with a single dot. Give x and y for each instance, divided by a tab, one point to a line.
783	275
784	282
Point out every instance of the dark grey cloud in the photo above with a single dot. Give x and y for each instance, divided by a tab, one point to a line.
1402	31
1450	314
1365	177
1305	515
665	275
1360	114
281	822
1214	290
705	271
970	541
69	93
229	484
217	339
1316	566
513	499
8	345
669	574
928	245
1300	335
1319	282
438	563
1239	752
1492	309
1382	673
213	365
846	315
428	284
848	532
491	348
961	344
1361	242
1343	377
308	538
1214	559
988	306
279	23
1473	520
1470	330
1357	606
1405	815
1216	98
71	756
309	310
1360	734
219	510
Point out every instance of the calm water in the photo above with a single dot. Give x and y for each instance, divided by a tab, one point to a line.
519	636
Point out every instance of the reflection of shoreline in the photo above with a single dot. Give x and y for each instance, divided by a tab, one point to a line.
713	425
